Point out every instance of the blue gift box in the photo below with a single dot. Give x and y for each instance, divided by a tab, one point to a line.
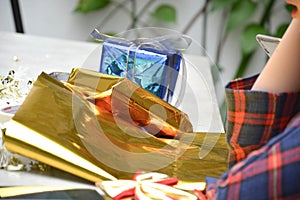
153	68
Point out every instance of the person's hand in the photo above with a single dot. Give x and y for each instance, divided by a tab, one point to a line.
296	12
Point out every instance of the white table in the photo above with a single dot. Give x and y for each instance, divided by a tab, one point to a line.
30	55
36	54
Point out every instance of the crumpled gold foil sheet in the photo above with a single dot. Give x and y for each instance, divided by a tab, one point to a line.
99	127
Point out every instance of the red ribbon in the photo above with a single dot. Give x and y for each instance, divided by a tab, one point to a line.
145	185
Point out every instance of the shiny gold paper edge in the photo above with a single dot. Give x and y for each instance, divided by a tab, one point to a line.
89	78
141	96
190	186
15	191
25	147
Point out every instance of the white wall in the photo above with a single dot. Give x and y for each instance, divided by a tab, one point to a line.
56	18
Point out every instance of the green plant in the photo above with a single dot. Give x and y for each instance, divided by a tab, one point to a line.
239	14
165	13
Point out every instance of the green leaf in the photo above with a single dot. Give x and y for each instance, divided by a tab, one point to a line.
248	38
281	30
110	33
290	7
165	13
86	6
219	4
240	13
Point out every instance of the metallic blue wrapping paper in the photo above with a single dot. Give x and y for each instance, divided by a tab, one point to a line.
153	68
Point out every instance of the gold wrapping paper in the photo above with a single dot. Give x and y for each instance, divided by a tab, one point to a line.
102	127
128	101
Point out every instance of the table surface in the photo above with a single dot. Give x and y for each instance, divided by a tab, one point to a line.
30	55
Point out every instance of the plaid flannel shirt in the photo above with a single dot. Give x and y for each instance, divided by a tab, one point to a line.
264	145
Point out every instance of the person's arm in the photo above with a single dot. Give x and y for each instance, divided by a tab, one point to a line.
260	108
282	72
258	111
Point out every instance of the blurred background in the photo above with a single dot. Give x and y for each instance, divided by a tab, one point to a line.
226	29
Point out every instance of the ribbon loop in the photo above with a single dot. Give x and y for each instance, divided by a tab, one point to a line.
150	185
174	41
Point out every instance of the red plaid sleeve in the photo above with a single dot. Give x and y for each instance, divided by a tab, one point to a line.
271	172
263	132
254	117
